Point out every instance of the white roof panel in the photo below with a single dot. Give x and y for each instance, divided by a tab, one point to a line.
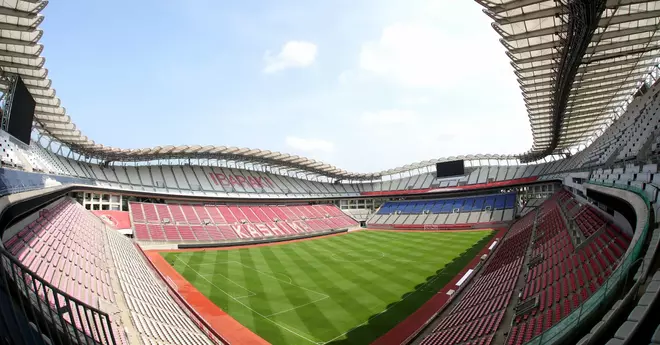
623	48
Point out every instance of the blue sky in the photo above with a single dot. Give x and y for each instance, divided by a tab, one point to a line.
362	84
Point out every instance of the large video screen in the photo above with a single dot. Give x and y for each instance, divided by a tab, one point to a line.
22	113
451	168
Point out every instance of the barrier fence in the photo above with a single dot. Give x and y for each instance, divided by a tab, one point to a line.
605	293
55	314
195	317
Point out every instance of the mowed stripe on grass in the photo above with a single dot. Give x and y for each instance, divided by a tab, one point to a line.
346	289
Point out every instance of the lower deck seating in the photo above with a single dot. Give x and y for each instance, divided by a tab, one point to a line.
565	276
65	246
478	314
68	247
558	276
177	223
158	319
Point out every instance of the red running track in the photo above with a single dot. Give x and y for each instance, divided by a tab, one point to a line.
222	323
236	333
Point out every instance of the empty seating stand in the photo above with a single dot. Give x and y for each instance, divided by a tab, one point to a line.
157	317
559	276
643	312
633	136
566	277
445	213
65	246
477	315
218	223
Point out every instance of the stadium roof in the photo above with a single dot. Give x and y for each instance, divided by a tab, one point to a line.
572	88
622	50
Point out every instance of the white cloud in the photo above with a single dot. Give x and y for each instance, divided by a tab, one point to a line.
309	145
402	137
415	100
294	54
389	117
418	55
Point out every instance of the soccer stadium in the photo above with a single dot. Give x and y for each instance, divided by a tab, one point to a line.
141	244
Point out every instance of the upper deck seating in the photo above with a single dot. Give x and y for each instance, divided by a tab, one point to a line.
446	212
631	136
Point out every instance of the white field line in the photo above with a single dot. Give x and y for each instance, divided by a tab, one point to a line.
383	255
299	306
290	282
246	266
250	293
254	311
246	296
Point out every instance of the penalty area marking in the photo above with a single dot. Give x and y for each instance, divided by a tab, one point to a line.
246	266
288	329
299	306
292	330
290	282
250	292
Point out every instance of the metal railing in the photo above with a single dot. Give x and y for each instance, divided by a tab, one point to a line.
605	293
173	291
57	315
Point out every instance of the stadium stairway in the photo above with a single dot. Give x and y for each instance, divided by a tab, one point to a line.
478	312
555	274
502	332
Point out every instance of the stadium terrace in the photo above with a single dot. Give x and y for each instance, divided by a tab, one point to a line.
222	245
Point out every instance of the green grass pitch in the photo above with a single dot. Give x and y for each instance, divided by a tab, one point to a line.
347	289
